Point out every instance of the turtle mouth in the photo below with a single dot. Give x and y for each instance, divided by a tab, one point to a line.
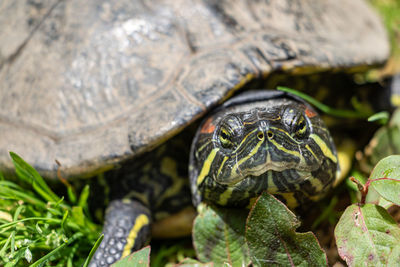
238	174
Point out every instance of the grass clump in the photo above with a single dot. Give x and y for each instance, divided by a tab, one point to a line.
37	227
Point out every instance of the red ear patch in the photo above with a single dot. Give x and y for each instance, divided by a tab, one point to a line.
208	127
310	113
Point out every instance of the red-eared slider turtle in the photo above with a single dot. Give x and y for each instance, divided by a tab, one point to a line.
95	83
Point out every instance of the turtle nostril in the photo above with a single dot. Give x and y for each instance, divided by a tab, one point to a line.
270	134
260	136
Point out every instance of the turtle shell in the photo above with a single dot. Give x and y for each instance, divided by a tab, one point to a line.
91	83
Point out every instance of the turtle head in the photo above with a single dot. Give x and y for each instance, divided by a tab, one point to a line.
276	143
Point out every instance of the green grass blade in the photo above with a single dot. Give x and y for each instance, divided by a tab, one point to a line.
18	195
38	229
29	174
9	184
12	242
324	108
4	248
64	219
93	250
15	219
17	212
10	224
55	251
72	225
382	117
71	194
82	202
45	258
43	224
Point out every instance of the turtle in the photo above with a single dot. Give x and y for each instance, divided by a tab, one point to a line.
103	85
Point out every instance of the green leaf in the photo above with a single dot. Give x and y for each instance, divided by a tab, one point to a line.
366	236
140	258
218	236
385	178
30	175
385	142
394	256
272	240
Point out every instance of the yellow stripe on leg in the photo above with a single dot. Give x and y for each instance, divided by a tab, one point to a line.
140	221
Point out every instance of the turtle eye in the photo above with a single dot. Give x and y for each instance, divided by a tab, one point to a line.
300	129
225	137
296	123
229	132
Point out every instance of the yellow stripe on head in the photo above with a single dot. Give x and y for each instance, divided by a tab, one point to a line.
324	148
244	139
140	221
242	160
282	148
222	165
207	166
312	152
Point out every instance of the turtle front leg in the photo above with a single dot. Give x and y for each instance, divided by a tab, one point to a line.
127	228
